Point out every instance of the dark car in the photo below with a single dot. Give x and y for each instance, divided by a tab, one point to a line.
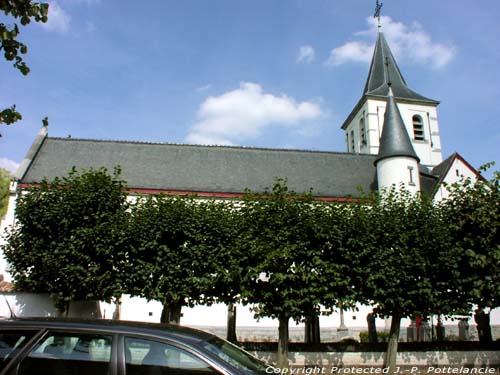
103	347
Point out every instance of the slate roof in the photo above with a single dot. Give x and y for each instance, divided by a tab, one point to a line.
380	75
193	168
394	140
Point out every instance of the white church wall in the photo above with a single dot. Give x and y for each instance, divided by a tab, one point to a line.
429	150
26	305
458	171
138	309
7	221
212	318
395	171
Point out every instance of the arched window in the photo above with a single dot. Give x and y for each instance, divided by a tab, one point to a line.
352	141
418	128
362	131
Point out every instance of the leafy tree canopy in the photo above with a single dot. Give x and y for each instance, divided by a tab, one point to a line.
23	12
473	213
68	239
179	250
408	235
4	191
292	262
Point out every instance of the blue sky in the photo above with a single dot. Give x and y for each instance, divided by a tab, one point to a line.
265	73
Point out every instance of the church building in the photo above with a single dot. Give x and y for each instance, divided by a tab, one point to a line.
392	138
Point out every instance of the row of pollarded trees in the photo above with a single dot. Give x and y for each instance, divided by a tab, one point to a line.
79	238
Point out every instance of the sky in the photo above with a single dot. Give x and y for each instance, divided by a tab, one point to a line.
260	73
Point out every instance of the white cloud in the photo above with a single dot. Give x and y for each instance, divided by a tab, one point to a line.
351	51
58	18
203	88
243	114
9	165
407	42
306	54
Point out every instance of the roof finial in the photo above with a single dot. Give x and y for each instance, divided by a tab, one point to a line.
378	7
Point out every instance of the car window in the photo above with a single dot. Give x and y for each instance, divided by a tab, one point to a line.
235	356
152	357
10	343
68	354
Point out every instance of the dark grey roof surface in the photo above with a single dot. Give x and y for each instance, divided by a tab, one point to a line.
378	77
394	140
442	168
207	168
380	74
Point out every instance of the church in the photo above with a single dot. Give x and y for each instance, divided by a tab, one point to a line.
392	139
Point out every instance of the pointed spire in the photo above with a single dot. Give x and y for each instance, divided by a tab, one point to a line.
378	77
395	140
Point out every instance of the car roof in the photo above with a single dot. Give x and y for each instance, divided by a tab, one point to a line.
180	333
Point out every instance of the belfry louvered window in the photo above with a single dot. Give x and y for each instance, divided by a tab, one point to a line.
362	131
418	128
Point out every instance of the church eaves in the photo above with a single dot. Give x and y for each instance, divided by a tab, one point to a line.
394	140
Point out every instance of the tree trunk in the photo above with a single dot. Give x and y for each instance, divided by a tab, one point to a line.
440	330
62	310
483	325
392	346
231	323
171	313
118	309
372	328
312	329
282	361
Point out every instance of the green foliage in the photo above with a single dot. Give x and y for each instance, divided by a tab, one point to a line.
288	255
473	214
404	246
179	249
77	239
383	336
4	191
69	238
23	11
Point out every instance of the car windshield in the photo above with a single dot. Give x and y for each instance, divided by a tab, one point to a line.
235	356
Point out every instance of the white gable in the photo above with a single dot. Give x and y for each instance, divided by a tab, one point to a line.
458	170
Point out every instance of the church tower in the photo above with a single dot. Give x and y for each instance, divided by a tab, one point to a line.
364	126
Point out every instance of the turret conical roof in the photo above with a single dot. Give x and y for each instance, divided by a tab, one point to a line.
395	140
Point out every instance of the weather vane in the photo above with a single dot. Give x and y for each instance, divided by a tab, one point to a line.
378	7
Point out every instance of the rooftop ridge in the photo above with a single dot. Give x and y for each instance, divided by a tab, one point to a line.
206	146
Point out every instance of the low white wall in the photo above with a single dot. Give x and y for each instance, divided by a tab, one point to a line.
26	305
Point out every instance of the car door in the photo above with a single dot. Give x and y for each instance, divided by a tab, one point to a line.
12	342
150	356
68	352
